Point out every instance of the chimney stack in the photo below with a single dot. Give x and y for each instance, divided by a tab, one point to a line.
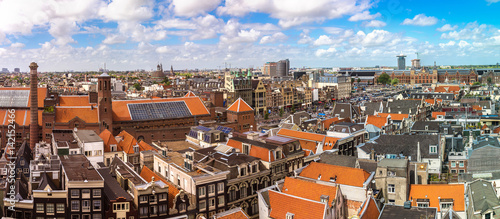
34	105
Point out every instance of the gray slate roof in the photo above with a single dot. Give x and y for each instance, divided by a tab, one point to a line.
402	144
483	195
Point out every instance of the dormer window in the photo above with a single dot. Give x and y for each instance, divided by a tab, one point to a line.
423	203
433	149
136	148
446	203
113	147
243	171
324	199
426	127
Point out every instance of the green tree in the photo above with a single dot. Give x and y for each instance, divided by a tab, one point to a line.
266	116
137	86
352	80
384	79
281	112
359	80
293	108
489	80
476	83
394	81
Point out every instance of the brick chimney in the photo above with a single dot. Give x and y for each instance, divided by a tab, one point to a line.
34	105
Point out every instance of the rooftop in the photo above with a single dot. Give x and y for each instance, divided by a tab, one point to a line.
87	136
78	168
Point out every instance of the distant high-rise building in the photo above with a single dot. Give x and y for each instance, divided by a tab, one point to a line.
282	68
5	70
270	69
415	63
401	62
17	70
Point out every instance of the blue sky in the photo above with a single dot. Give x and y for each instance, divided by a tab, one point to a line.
137	34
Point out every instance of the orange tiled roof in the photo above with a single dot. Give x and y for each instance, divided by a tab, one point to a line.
477	108
121	112
329	143
301	135
108	140
328	122
237	213
22	117
345	175
240	106
87	114
436	191
484	127
369	209
143	146
127	143
308	189
496	130
190	94
281	204
74	100
308	145
378	121
435	114
395	116
255	151
147	175
447	89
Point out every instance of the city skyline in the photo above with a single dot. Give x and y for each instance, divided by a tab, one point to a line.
128	34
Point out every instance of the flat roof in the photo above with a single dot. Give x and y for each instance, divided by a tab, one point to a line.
78	168
88	136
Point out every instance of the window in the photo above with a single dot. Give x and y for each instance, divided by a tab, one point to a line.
97	205
487	216
461	171
153	209
243	191
50	208
246	149
289	215
75	193
163	209
182	207
97	193
278	154
201	191
423	204
162	197
243	171
220	187
391	188
211	202
461	164
39	208
202	205
453	164
152	198
86	193
446	205
85	205
221	200
433	149
232	194
75	205
60	208
48	125
143	211
211	189
97	216
143	198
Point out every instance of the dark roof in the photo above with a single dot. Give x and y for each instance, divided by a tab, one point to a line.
367	165
348	110
402	105
394	211
372	107
112	189
255	83
338	160
22	190
485	141
420	126
46	181
402	144
347	127
256	143
78	168
228	159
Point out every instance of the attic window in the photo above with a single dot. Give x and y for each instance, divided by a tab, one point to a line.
136	148
423	203
341	110
433	149
289	215
324	198
426	127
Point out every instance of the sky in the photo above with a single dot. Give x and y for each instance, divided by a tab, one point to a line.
82	35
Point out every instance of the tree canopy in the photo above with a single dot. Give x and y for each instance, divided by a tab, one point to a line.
384	79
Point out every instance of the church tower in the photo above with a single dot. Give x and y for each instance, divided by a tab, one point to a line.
104	103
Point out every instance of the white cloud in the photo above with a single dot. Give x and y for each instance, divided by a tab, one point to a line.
62	29
492	1
450	43
374	23
114	39
163	49
128	10
304	37
446	28
420	20
323	40
190	8
295	12
470	31
463	44
376	38
325	52
277	37
365	15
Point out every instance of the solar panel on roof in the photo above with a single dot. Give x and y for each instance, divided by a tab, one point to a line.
203	128
14	98
162	110
224	129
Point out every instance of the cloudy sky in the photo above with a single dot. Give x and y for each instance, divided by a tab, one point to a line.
137	34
